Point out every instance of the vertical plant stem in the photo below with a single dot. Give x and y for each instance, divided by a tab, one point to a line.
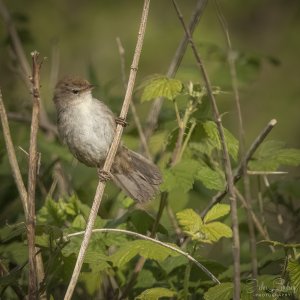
231	56
186	281
111	154
226	159
152	118
12	157
32	176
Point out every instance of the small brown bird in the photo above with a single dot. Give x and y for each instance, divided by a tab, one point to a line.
88	126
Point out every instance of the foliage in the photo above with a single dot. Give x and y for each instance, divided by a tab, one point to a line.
205	230
193	173
161	86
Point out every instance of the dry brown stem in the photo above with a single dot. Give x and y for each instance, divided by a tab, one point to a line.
12	157
226	159
231	56
111	154
32	175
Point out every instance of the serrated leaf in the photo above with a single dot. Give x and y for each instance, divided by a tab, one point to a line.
271	155
222	291
181	176
211	179
189	220
216	212
162	86
193	225
293	269
232	143
216	230
155	294
147	249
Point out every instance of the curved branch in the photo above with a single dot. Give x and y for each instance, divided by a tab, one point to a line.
144	237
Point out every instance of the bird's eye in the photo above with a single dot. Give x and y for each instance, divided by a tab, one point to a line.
75	91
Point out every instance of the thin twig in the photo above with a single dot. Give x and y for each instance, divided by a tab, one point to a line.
260	228
231	56
19	181
111	154
47	127
226	159
152	118
238	173
32	175
132	105
11	153
144	237
266	172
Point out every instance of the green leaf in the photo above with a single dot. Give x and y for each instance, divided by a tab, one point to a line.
189	220
147	249
181	176
211	179
271	155
193	225
94	256
216	212
293	269
162	86
232	143
79	222
52	213
155	293
221	291
216	230
145	279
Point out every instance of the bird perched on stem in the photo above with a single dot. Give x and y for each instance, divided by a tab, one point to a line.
88	126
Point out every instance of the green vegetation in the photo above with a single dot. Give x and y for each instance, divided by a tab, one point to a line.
177	246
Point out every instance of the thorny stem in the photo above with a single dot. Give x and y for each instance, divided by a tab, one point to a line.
246	180
111	153
227	163
32	175
20	185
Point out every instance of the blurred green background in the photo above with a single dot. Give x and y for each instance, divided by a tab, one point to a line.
265	33
79	37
